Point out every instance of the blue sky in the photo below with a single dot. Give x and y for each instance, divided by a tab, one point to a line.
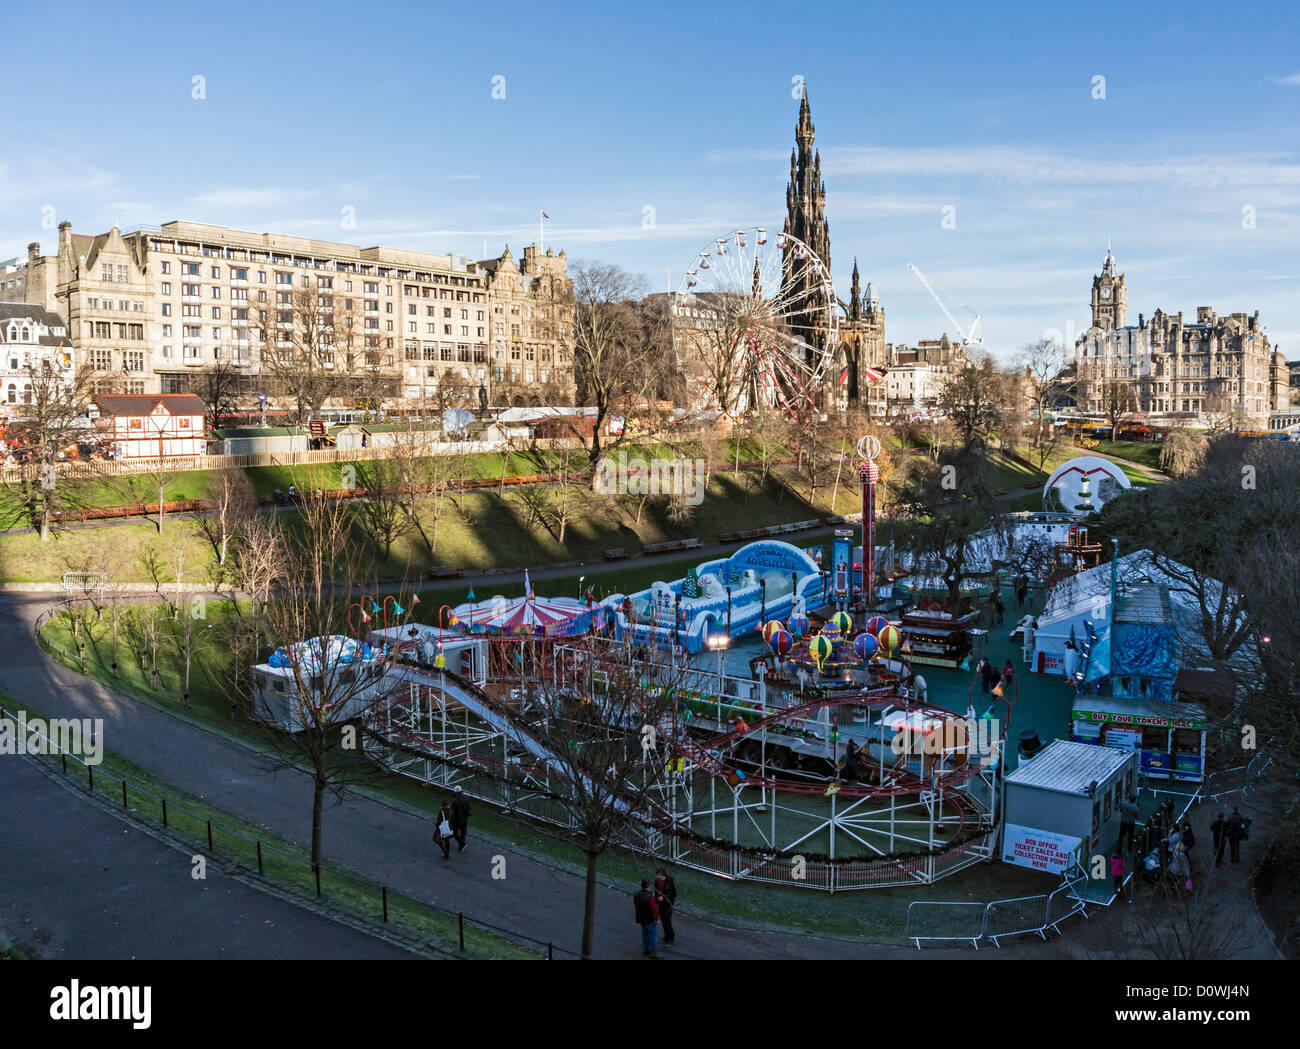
388	108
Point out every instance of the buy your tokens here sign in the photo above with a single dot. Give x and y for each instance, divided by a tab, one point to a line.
1040	850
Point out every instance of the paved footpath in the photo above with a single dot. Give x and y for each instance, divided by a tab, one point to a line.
76	882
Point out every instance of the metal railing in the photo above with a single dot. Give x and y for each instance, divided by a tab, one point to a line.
993	922
427	924
1241	779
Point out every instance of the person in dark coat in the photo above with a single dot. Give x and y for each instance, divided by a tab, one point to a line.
1237	831
443	841
1217	828
460	818
647	916
665	898
1128	817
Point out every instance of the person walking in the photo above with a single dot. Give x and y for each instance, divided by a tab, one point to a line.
1117	869
647	916
1128	814
1188	838
1180	869
998	607
990	676
459	818
442	829
1237	831
665	899
1217	828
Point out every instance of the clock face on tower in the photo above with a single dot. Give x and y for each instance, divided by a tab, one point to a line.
1105	293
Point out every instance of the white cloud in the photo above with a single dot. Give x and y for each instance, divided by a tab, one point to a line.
1032	165
1288	81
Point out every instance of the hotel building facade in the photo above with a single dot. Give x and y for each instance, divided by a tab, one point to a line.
1176	369
151	308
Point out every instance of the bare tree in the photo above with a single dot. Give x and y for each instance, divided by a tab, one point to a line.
331	684
428	472
1182	452
973	396
1047	370
189	632
230	496
552	505
296	338
1218	413
218	386
382	511
616	357
1118	404
951	501
54	421
609	719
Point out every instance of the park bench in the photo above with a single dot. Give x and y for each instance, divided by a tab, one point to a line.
729	537
662	548
616	554
445	572
691	544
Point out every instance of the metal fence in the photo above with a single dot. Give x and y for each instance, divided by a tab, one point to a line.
992	922
1241	779
425	924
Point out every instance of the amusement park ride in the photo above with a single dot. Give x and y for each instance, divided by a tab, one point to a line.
758	311
825	769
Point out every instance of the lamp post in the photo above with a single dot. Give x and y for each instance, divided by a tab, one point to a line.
581	580
261	401
728	611
719	643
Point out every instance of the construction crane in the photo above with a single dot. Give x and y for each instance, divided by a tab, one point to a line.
968	338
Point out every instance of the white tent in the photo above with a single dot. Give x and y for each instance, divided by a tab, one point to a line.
1085	597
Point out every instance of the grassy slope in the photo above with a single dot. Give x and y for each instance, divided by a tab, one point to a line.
484	530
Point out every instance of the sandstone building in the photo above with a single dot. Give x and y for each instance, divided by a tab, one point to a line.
151	308
1176	369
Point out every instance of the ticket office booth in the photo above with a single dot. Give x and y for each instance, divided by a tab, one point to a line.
1168	737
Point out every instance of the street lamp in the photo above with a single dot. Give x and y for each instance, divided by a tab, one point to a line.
718	643
581	580
261	400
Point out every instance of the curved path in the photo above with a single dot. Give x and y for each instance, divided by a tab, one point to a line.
78	882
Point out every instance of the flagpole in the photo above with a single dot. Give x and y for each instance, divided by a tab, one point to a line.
540	226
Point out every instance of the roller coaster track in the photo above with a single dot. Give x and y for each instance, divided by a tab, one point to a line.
708	754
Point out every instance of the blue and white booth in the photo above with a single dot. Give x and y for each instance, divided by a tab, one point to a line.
767	580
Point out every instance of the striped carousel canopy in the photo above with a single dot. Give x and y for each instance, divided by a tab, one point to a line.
554	616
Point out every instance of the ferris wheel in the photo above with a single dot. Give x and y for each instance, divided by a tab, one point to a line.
756	321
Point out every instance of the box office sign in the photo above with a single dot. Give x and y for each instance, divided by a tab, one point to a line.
1143	720
1040	850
